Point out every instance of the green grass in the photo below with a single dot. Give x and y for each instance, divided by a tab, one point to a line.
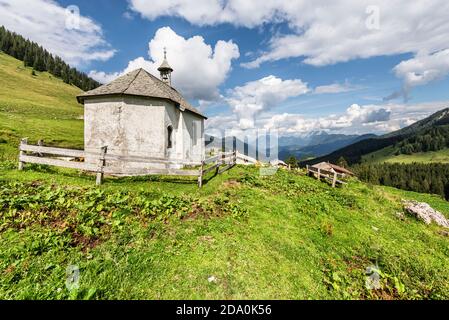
286	236
37	107
281	237
387	155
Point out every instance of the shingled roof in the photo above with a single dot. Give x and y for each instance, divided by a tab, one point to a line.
140	83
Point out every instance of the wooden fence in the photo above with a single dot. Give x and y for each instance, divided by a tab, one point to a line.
228	159
246	159
74	159
331	176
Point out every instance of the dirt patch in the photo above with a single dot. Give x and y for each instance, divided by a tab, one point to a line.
357	263
232	183
59	224
199	211
208	239
10	269
195	212
84	242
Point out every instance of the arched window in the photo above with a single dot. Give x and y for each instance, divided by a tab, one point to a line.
169	137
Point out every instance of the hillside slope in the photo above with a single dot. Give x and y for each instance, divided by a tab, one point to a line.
37	107
285	236
389	155
242	236
388	143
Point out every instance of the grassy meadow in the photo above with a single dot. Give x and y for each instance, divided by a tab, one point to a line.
242	236
387	155
285	236
36	107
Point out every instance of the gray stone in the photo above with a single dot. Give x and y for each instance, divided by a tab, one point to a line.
424	212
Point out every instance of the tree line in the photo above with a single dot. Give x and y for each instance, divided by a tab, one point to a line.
419	177
433	139
40	59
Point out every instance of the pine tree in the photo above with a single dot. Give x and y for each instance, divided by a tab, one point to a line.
342	162
28	59
292	161
40	59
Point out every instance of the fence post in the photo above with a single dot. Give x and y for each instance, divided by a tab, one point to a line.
101	164
319	174
200	176
217	165
334	180
235	157
21	153
40	143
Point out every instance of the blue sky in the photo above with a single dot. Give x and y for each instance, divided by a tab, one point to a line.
276	64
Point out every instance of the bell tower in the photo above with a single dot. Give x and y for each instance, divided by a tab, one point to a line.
165	70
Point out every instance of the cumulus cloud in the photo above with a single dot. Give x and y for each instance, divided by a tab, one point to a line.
339	32
327	32
356	119
45	22
248	13
198	67
137	63
421	70
254	97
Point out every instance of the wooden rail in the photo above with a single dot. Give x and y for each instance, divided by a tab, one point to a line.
331	176
54	151
246	158
228	159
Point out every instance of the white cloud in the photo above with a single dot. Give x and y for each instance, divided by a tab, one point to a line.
334	88
355	120
330	32
423	68
103	77
199	12
261	95
137	63
44	21
322	32
198	68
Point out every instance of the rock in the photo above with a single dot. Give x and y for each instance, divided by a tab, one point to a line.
375	228
212	279
424	212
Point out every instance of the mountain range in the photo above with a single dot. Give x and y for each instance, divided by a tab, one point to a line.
428	134
316	144
431	131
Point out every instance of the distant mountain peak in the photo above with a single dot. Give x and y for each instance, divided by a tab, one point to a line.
353	152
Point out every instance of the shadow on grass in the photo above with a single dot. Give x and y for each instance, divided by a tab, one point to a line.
158	178
90	177
39	168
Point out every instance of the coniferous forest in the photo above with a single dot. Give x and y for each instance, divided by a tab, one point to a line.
40	59
420	177
432	139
